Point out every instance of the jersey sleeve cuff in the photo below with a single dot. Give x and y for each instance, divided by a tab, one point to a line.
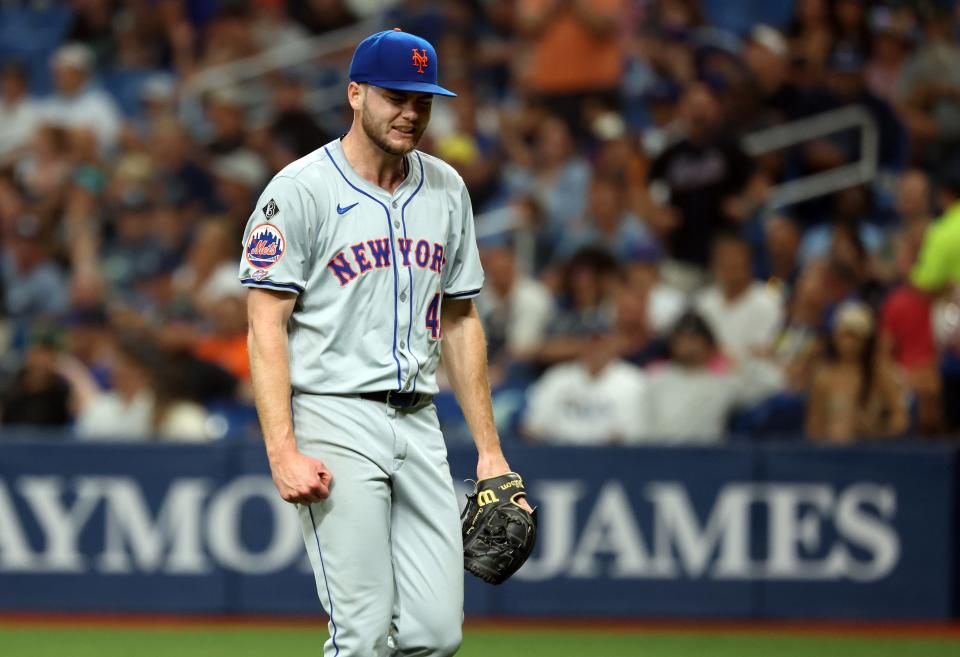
271	285
466	294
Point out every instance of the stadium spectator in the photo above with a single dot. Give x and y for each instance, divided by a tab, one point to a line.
229	35
744	314
37	395
273	27
594	400
224	342
589	282
700	177
19	113
472	150
238	178
293	131
606	223
797	346
914	200
851	25
158	99
665	44
938	265
228	122
906	334
929	82
892	43
324	15
516	309
664	303
138	43
552	172
92	26
44	171
845	84
495	44
780	260
179	172
811	35
34	284
143	402
76	102
209	272
638	342
690	397
133	254
89	338
664	128
776	97
575	54
850	212
854	393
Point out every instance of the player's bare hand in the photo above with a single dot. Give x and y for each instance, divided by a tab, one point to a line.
301	479
494	466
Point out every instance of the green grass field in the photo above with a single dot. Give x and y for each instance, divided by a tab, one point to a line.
54	641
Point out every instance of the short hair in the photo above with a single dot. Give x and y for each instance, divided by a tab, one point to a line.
692	322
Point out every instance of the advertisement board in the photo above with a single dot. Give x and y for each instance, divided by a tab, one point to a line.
788	531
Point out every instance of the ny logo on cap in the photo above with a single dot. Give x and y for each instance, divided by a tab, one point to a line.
420	59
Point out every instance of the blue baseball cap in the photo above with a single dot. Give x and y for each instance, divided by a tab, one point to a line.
393	59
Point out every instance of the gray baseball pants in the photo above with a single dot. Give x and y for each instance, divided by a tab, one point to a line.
385	546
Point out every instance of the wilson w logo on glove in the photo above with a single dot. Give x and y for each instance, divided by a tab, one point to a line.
498	534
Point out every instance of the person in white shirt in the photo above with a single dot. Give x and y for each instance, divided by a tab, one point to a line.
144	402
744	314
18	112
664	303
514	308
76	103
595	400
689	398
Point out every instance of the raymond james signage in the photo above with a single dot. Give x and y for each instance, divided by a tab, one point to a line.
195	528
733	532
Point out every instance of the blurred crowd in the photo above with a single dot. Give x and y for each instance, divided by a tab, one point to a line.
643	283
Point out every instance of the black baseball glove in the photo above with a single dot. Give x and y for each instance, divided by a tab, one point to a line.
498	534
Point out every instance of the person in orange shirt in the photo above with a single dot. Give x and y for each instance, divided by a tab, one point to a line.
226	345
575	54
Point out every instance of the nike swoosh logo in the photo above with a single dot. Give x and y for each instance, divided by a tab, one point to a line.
346	209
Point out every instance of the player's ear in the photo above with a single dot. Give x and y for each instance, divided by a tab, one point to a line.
355	93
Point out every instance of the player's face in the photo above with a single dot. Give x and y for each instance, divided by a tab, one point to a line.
395	120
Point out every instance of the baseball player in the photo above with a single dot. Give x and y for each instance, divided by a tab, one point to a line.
360	257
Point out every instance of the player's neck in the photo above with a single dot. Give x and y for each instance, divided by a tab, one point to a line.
371	163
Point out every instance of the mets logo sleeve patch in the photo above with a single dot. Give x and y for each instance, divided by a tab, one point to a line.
265	246
277	245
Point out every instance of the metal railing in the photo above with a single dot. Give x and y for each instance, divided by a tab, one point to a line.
291	55
808	129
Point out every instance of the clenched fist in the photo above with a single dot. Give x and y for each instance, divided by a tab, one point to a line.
301	479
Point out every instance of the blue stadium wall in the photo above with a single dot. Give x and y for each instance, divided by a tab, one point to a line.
776	531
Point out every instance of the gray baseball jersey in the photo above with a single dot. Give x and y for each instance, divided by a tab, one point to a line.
371	269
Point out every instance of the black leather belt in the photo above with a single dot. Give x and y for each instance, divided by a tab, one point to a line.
405	400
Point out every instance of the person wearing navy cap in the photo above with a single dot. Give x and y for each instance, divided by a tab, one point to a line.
360	257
